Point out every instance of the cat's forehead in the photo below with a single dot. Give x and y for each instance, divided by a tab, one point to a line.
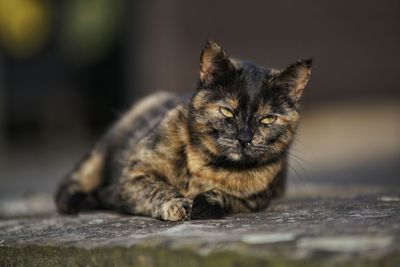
253	76
250	93
252	79
246	105
248	90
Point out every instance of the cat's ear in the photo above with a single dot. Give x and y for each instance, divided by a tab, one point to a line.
215	65
295	78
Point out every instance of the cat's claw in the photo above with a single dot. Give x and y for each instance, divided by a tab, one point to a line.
177	209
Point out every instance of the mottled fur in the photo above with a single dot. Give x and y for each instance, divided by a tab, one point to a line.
174	158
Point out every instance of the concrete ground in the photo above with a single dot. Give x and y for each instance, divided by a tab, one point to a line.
333	226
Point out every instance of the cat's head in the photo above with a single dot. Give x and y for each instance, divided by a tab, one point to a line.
243	114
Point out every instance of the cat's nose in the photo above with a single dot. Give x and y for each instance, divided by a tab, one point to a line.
245	136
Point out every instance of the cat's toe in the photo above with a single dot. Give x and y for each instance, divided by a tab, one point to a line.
177	209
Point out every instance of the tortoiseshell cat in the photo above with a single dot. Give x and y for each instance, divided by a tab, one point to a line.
222	151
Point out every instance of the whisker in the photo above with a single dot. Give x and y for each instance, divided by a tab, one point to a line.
298	157
306	178
297	174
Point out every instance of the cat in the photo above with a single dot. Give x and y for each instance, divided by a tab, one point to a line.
219	152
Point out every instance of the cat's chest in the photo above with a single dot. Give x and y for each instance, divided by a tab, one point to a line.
238	183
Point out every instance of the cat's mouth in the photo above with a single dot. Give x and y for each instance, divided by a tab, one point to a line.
234	155
237	152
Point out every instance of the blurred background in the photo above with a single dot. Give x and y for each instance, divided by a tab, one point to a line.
68	68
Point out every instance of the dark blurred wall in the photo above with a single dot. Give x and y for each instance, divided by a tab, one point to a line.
354	43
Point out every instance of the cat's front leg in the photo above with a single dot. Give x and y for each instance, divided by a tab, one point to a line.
215	204
152	196
209	205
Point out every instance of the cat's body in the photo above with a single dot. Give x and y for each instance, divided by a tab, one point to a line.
222	151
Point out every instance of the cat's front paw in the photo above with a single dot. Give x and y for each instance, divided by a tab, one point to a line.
70	199
206	206
177	209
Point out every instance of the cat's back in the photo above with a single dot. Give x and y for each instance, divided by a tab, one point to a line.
138	122
145	114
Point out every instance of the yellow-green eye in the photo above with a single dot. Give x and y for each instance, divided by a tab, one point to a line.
268	120
226	112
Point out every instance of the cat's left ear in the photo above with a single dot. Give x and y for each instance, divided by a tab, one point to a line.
295	78
215	65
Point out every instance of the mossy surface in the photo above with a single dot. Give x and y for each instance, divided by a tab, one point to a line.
47	256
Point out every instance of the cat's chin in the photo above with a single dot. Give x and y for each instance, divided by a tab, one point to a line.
235	156
238	161
241	155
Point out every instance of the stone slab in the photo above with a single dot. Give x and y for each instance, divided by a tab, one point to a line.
337	229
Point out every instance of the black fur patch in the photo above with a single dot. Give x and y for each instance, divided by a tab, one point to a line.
72	203
202	209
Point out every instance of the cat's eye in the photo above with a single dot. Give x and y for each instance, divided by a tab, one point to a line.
269	119
226	112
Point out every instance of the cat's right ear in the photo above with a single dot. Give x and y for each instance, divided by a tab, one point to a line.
215	66
294	78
